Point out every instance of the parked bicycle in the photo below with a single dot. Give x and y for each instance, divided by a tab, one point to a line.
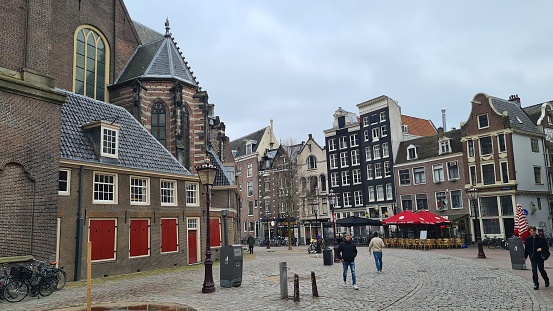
496	243
33	280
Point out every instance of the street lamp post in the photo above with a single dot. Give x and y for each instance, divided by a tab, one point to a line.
472	194
207	172
268	214
331	197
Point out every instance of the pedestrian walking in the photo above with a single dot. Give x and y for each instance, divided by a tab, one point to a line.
534	247
347	251
376	245
251	242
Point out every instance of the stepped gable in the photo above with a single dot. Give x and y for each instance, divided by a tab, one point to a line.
158	59
138	149
240	144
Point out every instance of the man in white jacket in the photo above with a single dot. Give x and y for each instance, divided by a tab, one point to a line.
376	245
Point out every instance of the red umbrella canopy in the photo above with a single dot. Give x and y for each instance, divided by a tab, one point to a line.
432	218
521	223
404	218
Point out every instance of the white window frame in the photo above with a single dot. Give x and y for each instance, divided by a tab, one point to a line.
385	150
470	148
375	133
368	153
358	198
365	121
389	194
453	165
382	116
455	193
371	194
143	187
114	186
370	173
540	182
380	192
376	152
383	131
366	136
501	148
355	157
249	188
249	170
192	194
344	159
438	173
421	174
345	178
378	170
333	161
172	191
412	153
356	174
331	144
353	141
347	199
109	144
387	170
445	146
487	121
343	142
67	181
334	180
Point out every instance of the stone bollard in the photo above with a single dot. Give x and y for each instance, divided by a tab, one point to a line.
296	288
314	285
283	280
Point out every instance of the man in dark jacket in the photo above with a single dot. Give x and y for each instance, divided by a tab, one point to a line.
347	251
534	246
251	243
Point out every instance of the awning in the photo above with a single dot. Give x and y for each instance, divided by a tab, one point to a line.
455	218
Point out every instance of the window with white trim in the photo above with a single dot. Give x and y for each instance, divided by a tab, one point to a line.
389	192
140	188
344	159
387	171
382	116
418	176
334	179
250	188
333	161
311	162
365	121
370	173
356	176
343	142
192	190
483	121
376	152
366	135
411	152
404	178
358	198
380	193
470	148
109	142
376	133
501	143
472	175
504	172
452	170
371	194
488	174
368	153
249	170
383	131
406	202
378	170
422	201
64	182
168	192
385	150
355	157
537	175
486	146
353	140
534	145
345	178
438	170
331	144
105	188
445	146
347	199
456	199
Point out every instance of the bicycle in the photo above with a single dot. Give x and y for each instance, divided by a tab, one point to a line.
496	243
33	280
61	277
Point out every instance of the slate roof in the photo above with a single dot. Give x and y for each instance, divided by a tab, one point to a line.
418	126
534	112
221	177
428	147
518	119
146	33
158	59
240	144
138	149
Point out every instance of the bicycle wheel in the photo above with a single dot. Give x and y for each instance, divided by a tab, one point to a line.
47	286
491	244
505	244
61	278
16	291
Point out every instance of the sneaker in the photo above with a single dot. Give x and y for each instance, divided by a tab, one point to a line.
355	286
345	283
536	286
546	284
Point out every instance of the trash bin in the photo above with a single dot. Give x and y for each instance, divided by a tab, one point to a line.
516	249
327	257
231	265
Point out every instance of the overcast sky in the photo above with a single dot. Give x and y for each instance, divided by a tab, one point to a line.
296	62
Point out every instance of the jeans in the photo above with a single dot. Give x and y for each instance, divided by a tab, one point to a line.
378	260
538	265
351	266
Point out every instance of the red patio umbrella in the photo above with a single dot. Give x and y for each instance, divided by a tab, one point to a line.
432	218
405	218
521	223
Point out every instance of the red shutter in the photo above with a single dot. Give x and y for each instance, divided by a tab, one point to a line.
168	235
139	237
215	232
102	236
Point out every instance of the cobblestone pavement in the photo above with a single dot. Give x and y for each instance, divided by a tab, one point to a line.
411	280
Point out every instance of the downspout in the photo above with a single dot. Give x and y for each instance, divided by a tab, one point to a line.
80	225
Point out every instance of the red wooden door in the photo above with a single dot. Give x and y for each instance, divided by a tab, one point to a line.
192	246
214	232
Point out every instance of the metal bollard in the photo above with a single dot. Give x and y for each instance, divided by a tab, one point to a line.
314	285
296	288
283	280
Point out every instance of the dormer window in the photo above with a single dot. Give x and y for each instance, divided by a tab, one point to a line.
483	121
248	147
405	129
109	142
105	137
445	145
412	152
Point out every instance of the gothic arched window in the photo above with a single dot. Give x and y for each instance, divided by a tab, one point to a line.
91	63
158	123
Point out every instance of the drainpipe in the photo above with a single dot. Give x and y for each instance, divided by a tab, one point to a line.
80	225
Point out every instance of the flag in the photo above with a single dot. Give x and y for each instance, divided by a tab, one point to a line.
521	223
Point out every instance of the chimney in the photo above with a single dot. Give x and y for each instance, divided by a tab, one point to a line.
515	99
443	120
440	130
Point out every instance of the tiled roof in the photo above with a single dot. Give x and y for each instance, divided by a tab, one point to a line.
240	144
221	177
418	126
138	149
428	147
534	112
157	59
518	119
146	34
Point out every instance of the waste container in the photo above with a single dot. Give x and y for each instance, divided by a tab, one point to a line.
231	265
327	257
516	249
